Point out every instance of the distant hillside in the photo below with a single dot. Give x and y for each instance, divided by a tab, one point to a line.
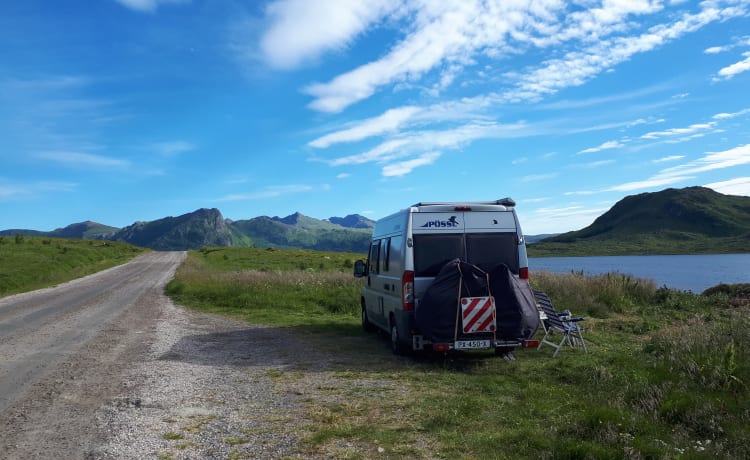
204	227
353	221
674	221
86	229
299	231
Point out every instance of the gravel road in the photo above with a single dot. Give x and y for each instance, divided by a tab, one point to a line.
107	367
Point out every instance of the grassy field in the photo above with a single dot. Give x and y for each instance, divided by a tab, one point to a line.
666	375
28	263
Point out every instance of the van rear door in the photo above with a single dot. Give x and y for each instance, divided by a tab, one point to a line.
483	238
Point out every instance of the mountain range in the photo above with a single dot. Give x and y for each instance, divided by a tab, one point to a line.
207	227
672	221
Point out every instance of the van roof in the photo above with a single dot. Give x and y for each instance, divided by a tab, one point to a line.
507	201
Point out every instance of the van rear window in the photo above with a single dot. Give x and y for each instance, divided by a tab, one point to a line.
488	250
485	250
431	252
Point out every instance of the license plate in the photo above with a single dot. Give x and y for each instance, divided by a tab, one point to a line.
471	344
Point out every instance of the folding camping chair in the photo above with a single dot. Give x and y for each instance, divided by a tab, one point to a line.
564	323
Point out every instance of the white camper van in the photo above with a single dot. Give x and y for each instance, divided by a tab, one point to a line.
409	249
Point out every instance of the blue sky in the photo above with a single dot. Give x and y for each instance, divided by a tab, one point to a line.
124	110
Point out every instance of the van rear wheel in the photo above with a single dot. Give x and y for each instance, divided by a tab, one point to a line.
396	346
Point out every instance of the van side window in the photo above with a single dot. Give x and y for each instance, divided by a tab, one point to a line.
374	260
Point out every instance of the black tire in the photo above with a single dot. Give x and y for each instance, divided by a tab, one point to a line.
366	324
397	347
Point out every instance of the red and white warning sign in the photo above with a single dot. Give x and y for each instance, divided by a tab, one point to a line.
478	314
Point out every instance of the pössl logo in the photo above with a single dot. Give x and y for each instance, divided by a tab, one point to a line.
437	223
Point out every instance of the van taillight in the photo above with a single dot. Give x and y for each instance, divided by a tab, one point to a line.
407	292
523	273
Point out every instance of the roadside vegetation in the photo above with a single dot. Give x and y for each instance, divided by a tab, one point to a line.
28	263
666	376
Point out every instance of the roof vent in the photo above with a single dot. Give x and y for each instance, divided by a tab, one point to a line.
507	201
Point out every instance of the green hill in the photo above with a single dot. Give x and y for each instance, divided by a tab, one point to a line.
299	231
204	227
86	230
691	220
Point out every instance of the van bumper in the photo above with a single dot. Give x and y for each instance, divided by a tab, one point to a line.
419	342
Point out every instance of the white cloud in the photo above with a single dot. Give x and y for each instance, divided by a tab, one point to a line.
147	6
447	33
739	186
669	158
343	176
450	34
711	161
559	220
597	164
301	30
441	39
405	167
724	116
77	159
739	67
690	130
9	191
605	146
418	142
657	181
715	49
389	121
577	67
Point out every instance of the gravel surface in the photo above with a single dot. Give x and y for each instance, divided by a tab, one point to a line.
205	390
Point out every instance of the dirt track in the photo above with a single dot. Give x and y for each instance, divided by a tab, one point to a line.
107	367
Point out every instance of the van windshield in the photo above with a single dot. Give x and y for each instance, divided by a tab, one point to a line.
485	250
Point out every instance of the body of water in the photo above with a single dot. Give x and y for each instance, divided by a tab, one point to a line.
685	272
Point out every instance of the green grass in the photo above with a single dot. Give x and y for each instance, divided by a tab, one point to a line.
28	263
274	287
666	375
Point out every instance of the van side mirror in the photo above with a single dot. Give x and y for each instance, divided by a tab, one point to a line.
360	268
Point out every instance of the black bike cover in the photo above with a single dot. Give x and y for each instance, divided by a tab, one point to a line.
517	317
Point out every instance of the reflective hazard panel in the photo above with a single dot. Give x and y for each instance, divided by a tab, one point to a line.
478	314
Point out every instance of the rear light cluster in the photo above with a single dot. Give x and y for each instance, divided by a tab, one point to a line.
407	292
523	273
